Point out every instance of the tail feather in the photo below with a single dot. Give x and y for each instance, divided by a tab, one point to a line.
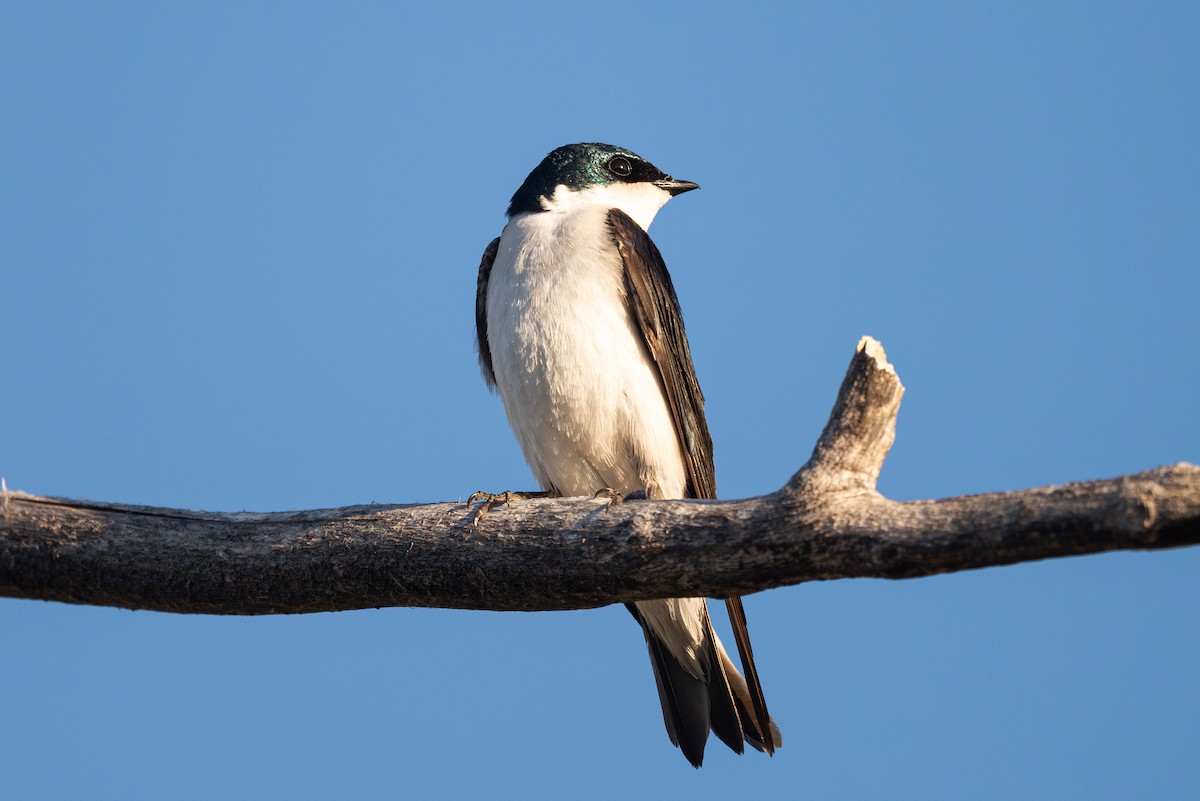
752	731
726	718
758	702
720	700
684	700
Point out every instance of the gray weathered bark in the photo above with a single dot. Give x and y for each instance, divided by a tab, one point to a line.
827	522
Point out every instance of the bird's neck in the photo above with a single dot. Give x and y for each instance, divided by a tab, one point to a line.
640	201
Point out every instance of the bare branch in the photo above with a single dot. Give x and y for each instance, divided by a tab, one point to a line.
828	522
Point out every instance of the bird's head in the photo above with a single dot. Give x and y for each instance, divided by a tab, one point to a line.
591	173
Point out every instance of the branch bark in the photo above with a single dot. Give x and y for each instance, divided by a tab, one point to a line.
827	522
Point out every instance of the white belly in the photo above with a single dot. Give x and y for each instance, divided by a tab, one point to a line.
580	392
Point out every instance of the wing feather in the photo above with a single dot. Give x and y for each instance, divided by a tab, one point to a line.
656	308
481	290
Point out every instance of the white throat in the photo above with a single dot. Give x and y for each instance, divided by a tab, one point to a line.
641	201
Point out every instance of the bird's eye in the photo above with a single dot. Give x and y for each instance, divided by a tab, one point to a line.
620	166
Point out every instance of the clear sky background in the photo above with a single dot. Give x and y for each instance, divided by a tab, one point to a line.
238	248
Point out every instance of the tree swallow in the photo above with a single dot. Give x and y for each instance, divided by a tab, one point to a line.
580	331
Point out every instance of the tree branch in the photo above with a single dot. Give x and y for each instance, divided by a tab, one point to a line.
828	522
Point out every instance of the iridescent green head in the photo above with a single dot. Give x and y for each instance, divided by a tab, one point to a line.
588	164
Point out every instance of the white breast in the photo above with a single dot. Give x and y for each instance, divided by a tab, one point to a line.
581	394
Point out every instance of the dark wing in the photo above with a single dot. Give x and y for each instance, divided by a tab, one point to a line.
481	290
656	309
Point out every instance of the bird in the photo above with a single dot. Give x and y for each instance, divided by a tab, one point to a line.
579	330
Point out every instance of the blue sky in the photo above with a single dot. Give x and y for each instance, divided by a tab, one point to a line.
237	266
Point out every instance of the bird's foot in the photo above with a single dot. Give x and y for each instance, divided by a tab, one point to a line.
491	499
614	498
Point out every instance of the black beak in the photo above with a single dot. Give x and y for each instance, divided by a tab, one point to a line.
674	186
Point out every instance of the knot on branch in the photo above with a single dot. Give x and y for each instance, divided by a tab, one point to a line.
1145	499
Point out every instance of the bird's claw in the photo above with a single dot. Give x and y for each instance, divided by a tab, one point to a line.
491	499
615	498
